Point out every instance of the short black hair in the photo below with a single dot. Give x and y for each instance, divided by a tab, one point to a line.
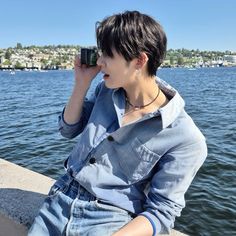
131	33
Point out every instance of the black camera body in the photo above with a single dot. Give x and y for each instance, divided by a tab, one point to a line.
89	56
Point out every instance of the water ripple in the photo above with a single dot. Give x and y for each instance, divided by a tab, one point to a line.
29	109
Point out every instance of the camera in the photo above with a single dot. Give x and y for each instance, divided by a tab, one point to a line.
89	56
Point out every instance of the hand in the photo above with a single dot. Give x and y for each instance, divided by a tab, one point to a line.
83	73
139	226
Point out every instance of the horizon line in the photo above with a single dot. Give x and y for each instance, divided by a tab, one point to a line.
74	45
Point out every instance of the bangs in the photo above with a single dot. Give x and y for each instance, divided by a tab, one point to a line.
118	33
105	39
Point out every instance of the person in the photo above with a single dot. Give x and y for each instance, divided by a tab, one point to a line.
137	149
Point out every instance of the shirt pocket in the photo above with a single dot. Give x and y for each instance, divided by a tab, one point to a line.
138	162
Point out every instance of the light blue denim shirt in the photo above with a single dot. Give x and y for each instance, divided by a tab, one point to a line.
144	167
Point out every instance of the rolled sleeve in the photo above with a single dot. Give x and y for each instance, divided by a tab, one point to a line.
72	130
69	130
175	173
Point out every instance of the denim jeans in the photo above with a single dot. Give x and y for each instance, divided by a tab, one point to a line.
71	210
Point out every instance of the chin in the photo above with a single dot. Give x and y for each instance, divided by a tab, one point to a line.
111	86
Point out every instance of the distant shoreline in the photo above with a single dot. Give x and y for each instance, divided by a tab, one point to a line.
61	69
62	57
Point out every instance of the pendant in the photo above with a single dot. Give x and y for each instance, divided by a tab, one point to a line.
136	108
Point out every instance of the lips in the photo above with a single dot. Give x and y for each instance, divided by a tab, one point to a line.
106	76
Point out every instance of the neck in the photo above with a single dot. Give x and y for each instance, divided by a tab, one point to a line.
142	91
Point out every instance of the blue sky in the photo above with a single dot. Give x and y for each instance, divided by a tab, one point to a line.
191	24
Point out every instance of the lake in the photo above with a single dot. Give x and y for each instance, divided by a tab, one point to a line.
31	102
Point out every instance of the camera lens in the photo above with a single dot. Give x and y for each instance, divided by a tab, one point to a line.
89	56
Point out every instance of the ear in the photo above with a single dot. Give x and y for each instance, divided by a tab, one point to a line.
141	60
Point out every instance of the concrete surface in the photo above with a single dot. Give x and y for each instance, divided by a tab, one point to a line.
22	192
9	227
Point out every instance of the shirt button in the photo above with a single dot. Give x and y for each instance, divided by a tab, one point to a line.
92	160
110	138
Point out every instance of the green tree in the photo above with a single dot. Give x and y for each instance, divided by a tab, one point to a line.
8	55
18	65
31	56
18	46
65	58
7	62
180	60
58	62
43	61
171	60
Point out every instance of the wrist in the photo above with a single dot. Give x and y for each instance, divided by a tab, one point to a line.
81	87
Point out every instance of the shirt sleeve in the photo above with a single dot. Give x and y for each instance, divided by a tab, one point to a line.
72	130
175	172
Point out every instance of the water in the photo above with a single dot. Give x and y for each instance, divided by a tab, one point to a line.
31	102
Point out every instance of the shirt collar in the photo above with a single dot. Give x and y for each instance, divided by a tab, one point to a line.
172	109
168	113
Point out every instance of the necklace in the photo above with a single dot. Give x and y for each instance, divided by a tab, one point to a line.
141	107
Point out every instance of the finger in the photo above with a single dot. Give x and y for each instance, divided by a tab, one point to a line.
77	61
83	66
97	68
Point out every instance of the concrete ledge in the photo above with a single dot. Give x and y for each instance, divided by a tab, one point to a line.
22	192
10	227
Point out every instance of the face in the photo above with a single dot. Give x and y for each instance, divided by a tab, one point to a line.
117	72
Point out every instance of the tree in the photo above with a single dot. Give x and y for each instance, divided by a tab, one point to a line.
31	56
65	58
180	60
18	65
58	62
171	60
43	61
18	46
8	55
7	62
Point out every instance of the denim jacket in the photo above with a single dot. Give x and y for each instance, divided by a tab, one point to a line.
144	167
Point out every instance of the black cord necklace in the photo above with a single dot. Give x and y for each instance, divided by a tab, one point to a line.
141	107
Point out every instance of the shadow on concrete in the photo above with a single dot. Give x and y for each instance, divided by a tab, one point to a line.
20	205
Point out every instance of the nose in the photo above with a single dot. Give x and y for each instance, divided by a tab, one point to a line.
100	61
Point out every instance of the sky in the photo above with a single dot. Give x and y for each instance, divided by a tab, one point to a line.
191	24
